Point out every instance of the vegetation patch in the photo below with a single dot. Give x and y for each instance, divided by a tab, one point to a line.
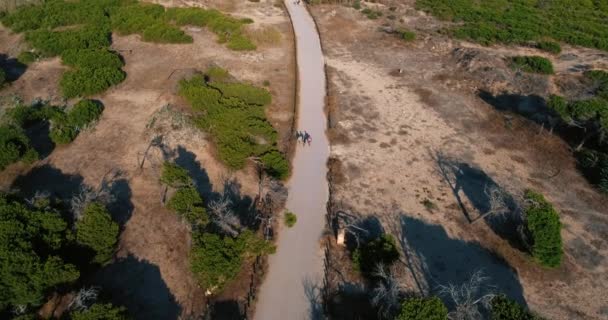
233	113
504	308
423	309
80	32
406	35
549	46
533	64
544	228
97	230
65	127
290	219
100	311
371	14
382	250
490	21
15	146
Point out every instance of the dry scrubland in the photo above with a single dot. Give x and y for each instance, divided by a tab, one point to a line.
419	129
151	273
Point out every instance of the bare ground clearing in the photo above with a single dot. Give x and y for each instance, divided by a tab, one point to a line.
151	272
410	124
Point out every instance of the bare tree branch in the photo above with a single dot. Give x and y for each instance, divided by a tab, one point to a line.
469	297
223	216
84	299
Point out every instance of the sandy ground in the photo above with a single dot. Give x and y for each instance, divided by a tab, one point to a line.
291	288
151	273
426	135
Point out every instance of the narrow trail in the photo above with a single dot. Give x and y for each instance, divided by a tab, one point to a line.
290	289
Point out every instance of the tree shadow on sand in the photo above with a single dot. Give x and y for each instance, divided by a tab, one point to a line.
446	260
225	310
532	107
13	68
139	286
479	189
242	205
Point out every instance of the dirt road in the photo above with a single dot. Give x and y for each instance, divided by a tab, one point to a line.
290	290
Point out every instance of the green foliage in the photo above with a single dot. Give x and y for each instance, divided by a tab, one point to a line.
174	175
290	219
549	46
517	21
188	203
27	57
380	250
234	116
163	33
545	229
66	126
88	81
14	146
532	64
100	311
30	240
54	43
371	14
357	4
406	35
216	261
504	308
91	58
97	230
423	309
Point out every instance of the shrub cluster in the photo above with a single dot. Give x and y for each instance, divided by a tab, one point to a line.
504	308
97	230
100	311
423	309
532	64
290	219
66	126
380	250
216	260
371	14
15	146
406	35
549	46
492	21
234	116
590	117
186	201
544	227
87	35
27	57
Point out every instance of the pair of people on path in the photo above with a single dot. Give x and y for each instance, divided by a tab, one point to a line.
304	136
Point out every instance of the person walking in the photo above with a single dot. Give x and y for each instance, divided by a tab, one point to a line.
298	136
305	138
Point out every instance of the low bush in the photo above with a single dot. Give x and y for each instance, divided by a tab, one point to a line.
65	127
357	4
54	43
544	228
234	116
532	64
215	261
163	33
371	14
99	311
27	57
97	230
504	308
91	58
549	46
188	203
290	219
88	81
83	113
407	35
174	175
380	250
423	309
14	146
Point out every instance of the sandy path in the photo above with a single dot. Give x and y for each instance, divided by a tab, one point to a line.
290	288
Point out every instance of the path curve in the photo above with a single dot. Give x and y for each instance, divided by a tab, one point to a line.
297	266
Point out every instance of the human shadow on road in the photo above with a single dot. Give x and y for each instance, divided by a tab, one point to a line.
447	260
139	286
242	205
486	196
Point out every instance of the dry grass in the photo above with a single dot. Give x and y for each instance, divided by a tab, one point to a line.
266	36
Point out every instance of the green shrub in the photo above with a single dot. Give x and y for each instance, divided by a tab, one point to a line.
290	219
423	309
97	230
241	43
14	146
235	118
490	21
380	250
276	164
532	64
91	58
549	46
357	4
215	261
84	112
504	308
407	35
100	311
163	33
136	17
175	176
545	229
29	261
188	203
65	127
27	57
54	43
88	81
